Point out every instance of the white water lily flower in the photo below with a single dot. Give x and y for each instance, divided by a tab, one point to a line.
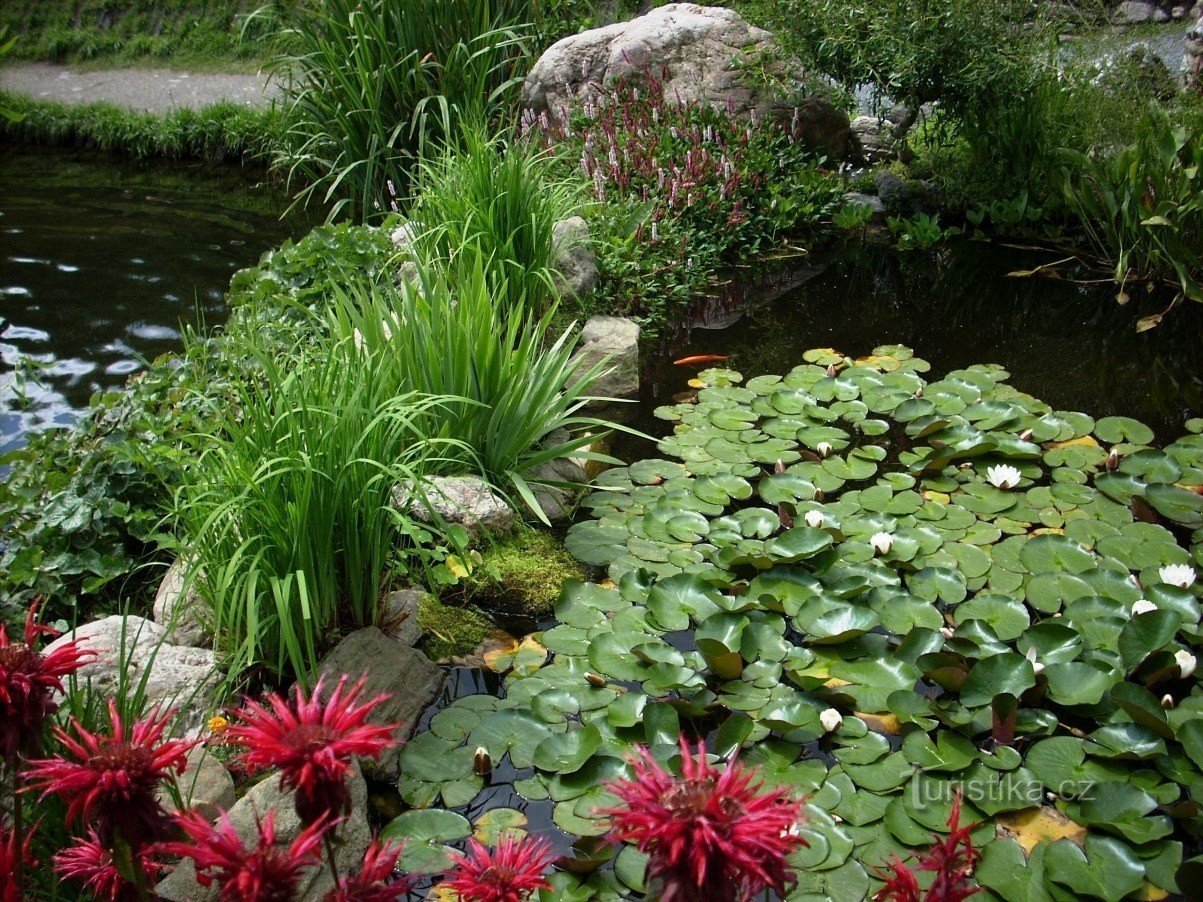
815	519
1180	575
831	720
1003	476
1037	667
823	448
882	542
1143	607
1186	662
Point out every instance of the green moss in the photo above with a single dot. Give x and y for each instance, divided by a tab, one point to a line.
450	631
523	574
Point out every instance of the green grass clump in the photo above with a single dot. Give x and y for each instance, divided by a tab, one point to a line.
523	574
223	132
450	631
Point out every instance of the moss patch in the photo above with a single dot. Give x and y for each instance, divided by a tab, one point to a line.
523	574
450	631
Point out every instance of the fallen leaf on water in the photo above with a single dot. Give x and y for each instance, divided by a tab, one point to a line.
1036	825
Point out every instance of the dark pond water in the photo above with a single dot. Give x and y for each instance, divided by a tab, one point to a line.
101	266
1070	345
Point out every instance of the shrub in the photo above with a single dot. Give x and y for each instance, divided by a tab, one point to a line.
373	84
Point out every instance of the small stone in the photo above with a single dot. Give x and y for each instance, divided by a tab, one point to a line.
466	500
404	674
576	263
1133	12
617	339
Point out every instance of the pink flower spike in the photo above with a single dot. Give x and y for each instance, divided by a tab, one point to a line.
268	872
110	782
89	862
375	881
509	873
710	834
312	743
12	855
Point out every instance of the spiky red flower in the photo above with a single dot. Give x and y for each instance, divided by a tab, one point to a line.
28	681
312	743
12	856
91	863
952	858
111	782
374	882
268	872
710	834
508	873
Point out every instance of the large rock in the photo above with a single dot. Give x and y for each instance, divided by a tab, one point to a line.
132	650
404	674
616	341
353	838
205	785
1192	62
179	608
576	263
1133	12
558	501
466	500
700	54
400	621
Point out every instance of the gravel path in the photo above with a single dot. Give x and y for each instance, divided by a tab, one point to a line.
151	90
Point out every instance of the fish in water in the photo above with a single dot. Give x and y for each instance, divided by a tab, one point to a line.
700	360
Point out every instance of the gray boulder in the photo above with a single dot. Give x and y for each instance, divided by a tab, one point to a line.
405	674
179	608
1134	12
352	839
1192	61
133	650
466	500
205	785
400	621
700	54
617	339
874	140
576	263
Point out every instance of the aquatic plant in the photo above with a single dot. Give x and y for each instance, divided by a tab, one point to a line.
989	648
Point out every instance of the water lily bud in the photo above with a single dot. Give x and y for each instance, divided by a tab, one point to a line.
1180	575
1037	667
824	449
947	632
831	720
1003	476
1112	461
818	496
831	369
1025	435
919	392
482	763
1143	606
595	680
815	519
1186	662
882	542
779	467
1167	701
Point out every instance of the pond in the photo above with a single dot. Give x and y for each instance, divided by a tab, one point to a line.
101	266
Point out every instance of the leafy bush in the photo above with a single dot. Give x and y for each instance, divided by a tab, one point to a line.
372	85
681	191
1142	207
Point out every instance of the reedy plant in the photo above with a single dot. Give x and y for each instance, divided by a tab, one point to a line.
373	84
287	516
499	201
1142	207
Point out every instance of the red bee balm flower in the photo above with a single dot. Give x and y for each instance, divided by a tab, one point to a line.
111	781
713	835
312	743
951	858
91	863
269	872
372	883
28	681
510	873
12	855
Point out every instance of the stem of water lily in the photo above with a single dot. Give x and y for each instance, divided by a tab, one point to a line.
328	840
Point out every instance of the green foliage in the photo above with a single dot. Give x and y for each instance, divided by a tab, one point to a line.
189	33
496	202
221	132
372	86
989	646
681	193
286	515
1142	207
522	574
920	232
450	631
80	508
967	54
